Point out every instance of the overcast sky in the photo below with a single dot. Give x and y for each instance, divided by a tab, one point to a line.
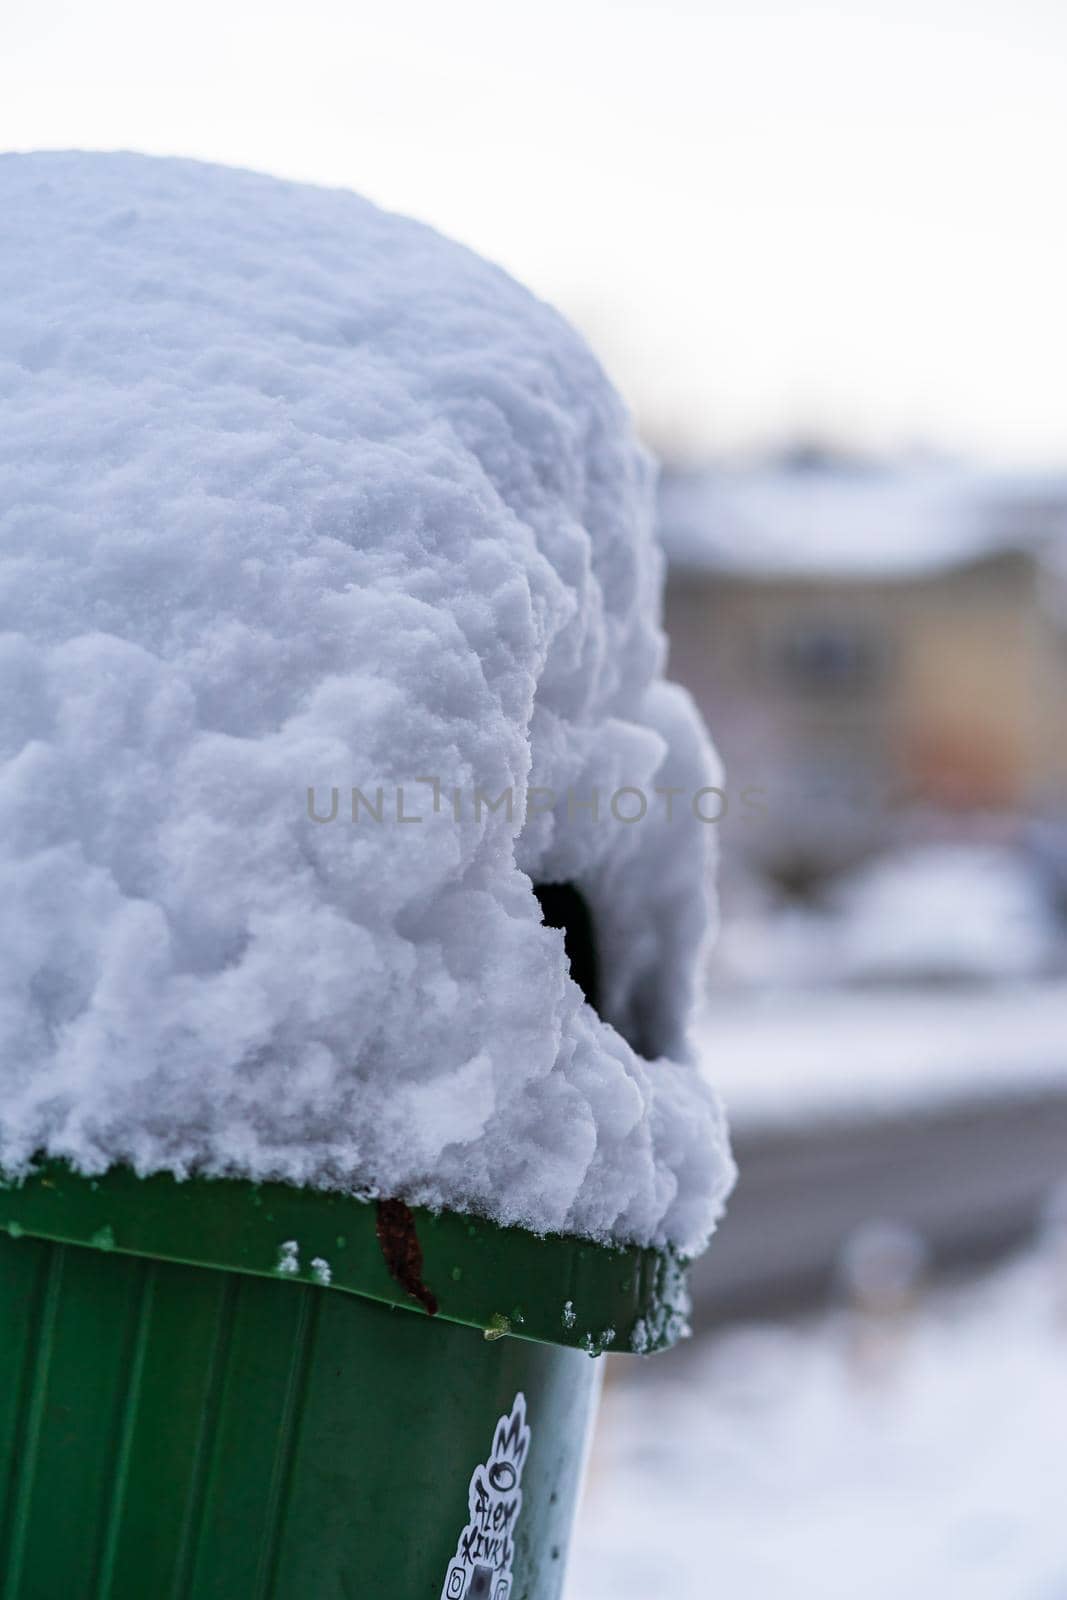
841	219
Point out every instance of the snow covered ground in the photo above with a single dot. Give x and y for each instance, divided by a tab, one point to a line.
913	1449
935	913
944	912
795	1056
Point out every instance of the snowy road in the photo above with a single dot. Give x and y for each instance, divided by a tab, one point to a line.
970	1179
943	1110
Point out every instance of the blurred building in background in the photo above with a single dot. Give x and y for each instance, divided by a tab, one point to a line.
881	654
880	651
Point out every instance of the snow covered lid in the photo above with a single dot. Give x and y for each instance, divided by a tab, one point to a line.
828	519
298	499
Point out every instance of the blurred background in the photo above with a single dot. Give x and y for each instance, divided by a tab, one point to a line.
822	249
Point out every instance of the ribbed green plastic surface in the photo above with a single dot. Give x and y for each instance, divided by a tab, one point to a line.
174	1432
504	1280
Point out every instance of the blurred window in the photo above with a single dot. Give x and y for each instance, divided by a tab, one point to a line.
828	658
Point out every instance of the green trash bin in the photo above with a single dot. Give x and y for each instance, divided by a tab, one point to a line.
217	1389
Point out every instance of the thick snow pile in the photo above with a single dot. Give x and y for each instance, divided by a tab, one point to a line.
296	495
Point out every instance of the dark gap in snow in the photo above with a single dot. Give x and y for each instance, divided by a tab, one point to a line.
564	907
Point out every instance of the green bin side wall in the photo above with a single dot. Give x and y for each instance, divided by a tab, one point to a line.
177	1431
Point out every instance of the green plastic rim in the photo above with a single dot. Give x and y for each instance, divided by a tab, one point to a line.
554	1289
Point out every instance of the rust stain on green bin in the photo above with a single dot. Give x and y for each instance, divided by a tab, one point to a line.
398	1236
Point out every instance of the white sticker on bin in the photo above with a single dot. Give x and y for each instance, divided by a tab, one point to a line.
481	1566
